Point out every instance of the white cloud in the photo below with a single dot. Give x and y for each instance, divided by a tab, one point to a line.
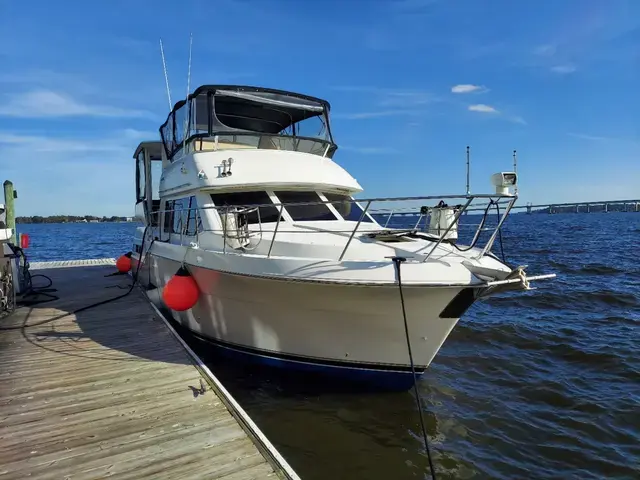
488	109
517	119
547	50
373	114
564	69
396	97
36	143
467	88
405	99
481	107
133	44
369	150
588	137
100	162
46	103
412	4
140	135
599	138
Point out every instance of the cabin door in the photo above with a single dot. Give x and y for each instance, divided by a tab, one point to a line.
148	171
141	187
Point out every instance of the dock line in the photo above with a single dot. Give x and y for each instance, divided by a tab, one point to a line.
31	291
121	399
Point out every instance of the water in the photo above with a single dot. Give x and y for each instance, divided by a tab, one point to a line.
543	384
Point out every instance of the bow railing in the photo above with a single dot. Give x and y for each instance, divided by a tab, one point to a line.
242	228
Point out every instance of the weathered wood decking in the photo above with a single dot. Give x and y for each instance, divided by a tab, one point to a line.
111	392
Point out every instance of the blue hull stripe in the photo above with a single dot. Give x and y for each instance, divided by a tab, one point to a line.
393	377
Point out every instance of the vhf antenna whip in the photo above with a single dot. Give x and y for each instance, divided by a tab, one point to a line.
166	76
186	120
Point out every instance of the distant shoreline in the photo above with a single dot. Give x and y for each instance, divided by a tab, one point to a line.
37	219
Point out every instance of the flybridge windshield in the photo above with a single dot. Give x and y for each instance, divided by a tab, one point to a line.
248	117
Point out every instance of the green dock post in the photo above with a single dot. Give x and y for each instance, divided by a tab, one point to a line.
9	196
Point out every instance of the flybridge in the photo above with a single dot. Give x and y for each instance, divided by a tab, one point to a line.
222	116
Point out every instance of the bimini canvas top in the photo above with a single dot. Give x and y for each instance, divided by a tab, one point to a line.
233	109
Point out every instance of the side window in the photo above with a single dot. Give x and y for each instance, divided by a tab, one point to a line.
319	211
178	214
168	216
140	177
156	173
268	213
193	217
181	126
347	207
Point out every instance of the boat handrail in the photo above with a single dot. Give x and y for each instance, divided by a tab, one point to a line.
230	140
423	214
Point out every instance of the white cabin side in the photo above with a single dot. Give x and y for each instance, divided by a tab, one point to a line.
250	169
233	148
199	182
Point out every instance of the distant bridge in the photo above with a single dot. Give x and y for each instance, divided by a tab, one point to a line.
552	208
585	207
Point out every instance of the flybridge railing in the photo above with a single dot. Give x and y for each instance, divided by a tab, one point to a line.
191	231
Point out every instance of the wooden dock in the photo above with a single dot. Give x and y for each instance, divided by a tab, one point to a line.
113	392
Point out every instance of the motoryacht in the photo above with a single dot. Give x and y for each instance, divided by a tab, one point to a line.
243	192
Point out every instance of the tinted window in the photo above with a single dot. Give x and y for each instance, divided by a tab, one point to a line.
193	217
179	215
140	174
167	136
180	125
156	173
168	216
319	211
346	207
268	213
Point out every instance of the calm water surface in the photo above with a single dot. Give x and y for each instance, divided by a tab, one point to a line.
543	384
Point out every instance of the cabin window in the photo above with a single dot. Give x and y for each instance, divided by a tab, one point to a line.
181	125
182	211
319	211
173	215
140	176
168	216
167	134
199	115
268	212
179	214
194	218
347	207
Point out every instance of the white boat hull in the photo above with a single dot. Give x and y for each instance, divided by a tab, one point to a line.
308	325
291	269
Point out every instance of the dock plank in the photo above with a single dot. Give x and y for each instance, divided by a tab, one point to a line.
110	392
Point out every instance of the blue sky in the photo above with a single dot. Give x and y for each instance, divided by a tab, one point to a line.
411	83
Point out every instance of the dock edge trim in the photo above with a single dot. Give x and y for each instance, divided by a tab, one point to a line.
228	399
88	262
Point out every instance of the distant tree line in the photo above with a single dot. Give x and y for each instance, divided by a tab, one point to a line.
69	219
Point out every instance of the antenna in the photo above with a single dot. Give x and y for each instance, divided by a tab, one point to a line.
166	77
189	69
186	120
515	169
468	190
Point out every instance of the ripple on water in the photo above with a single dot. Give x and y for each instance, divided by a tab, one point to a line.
536	385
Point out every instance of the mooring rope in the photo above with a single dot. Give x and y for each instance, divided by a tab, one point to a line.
92	305
398	262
